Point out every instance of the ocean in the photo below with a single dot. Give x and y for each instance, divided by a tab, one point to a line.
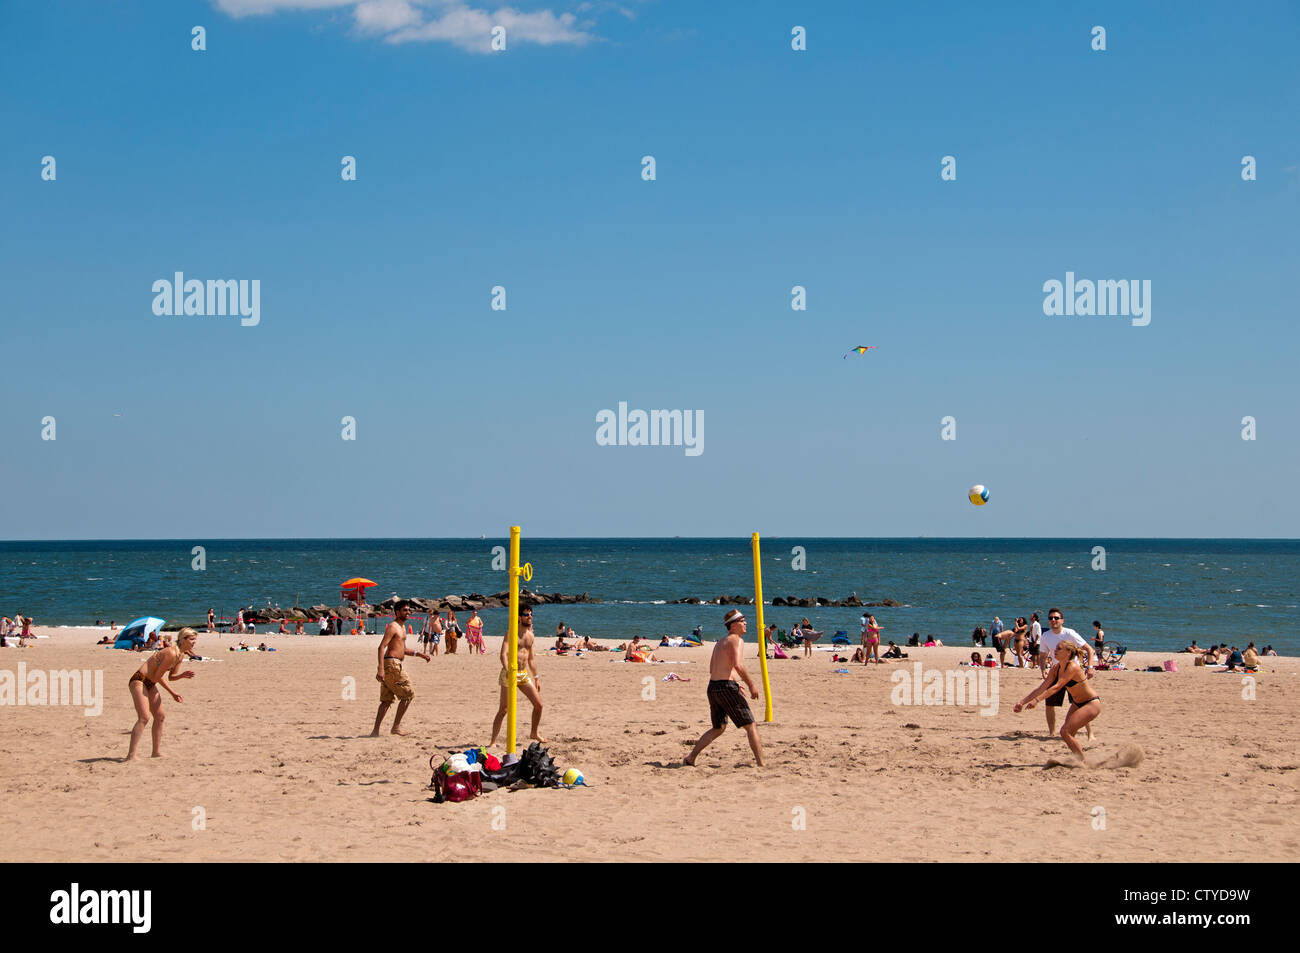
1152	594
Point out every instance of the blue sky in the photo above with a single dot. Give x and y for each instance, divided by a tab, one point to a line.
522	168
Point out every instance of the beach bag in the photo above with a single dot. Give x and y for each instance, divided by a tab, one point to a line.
456	780
1171	665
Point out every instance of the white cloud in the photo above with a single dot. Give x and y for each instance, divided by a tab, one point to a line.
471	29
384	16
249	8
434	21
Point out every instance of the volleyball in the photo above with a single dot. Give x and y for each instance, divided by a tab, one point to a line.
979	494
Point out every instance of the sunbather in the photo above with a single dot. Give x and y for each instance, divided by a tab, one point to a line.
636	652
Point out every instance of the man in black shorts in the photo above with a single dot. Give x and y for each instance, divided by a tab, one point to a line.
725	698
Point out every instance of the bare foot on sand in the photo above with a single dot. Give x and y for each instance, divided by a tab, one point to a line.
398	731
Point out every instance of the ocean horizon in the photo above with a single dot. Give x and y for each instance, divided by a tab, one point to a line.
1148	593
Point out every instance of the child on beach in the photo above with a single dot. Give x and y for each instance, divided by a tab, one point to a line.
143	685
1085	703
725	699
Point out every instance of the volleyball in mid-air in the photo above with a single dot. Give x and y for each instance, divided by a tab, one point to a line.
979	494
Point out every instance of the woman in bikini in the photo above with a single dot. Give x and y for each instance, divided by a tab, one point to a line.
155	671
1020	641
1085	703
872	632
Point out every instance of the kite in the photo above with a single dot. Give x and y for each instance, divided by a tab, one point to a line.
862	348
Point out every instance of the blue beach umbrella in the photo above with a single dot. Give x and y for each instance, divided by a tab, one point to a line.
138	632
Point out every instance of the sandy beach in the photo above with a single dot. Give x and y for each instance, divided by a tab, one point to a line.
266	760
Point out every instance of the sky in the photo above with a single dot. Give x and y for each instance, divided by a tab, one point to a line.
523	169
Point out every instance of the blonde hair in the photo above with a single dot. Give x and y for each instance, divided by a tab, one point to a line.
186	633
1077	652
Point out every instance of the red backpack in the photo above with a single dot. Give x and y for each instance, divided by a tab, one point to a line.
460	786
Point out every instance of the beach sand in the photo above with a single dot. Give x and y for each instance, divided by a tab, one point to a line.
266	760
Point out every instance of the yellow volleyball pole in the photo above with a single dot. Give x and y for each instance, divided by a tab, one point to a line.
513	636
762	632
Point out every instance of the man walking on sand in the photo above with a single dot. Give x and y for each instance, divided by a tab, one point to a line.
725	699
527	681
393	682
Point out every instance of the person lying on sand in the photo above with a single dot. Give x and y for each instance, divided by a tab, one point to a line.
1194	648
143	685
1085	703
725	699
591	646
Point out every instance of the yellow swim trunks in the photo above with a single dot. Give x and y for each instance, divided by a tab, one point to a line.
504	680
396	683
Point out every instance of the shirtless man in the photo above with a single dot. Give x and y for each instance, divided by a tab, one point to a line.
528	681
144	689
725	699
393	682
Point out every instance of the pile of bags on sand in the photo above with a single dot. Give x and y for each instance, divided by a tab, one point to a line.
467	774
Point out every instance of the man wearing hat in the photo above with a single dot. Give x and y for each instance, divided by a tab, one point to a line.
725	698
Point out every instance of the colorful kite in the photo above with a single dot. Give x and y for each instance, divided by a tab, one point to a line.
861	349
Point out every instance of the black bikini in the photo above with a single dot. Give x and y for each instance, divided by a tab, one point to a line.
1079	704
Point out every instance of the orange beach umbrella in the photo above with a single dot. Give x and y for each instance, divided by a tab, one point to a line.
355	588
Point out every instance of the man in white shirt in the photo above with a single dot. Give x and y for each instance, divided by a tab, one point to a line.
1047	647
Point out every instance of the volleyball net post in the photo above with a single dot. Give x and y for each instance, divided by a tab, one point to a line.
762	632
512	636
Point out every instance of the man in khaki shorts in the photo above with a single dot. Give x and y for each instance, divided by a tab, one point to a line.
393	682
